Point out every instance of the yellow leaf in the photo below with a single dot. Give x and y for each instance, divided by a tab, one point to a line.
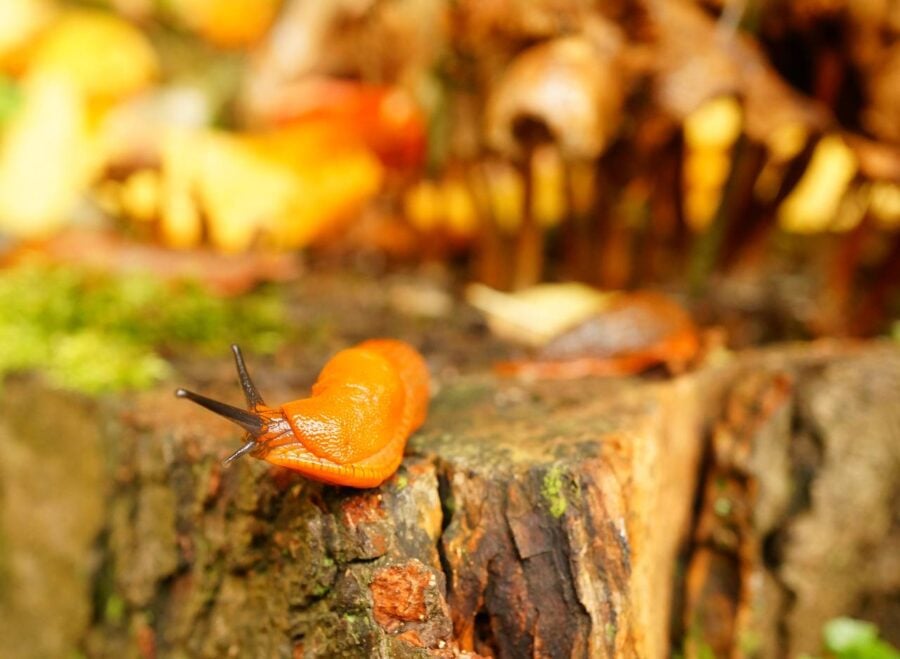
421	205
47	158
506	194
180	222
459	209
549	202
328	193
813	204
699	207
20	21
787	141
705	171
286	188
884	203
241	190
710	131
102	55
715	124
140	195
229	23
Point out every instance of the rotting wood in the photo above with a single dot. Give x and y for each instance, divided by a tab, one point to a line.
527	520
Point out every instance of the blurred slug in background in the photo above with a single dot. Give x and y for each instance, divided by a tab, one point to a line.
576	331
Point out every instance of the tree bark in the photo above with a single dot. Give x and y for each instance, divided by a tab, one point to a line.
539	519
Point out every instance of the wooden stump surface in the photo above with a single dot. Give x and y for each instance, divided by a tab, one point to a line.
527	520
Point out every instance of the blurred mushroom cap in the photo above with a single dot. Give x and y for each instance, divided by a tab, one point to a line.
568	89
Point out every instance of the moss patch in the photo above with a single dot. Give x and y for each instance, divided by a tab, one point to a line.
552	491
94	333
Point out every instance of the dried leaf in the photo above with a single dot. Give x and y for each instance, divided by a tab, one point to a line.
225	274
694	62
882	115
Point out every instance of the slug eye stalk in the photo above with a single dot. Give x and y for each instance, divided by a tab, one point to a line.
249	421
251	393
244	450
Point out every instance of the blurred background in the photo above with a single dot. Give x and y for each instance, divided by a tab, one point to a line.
742	155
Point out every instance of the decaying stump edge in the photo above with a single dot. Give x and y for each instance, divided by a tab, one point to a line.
527	520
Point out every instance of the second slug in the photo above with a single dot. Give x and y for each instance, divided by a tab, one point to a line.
352	430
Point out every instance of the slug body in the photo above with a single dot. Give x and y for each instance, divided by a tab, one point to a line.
352	430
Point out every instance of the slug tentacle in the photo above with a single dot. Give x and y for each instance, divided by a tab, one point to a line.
353	428
254	400
244	450
249	421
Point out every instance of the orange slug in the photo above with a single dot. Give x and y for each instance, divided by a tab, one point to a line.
353	428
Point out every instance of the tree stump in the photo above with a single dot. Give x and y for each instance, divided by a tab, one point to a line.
527	520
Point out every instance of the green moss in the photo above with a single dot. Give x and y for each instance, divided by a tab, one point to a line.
750	643
114	610
10	98
5	556
722	506
705	651
552	491
609	630
847	638
95	333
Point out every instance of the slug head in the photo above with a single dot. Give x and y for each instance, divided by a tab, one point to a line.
262	423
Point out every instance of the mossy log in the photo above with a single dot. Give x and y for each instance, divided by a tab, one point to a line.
527	520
